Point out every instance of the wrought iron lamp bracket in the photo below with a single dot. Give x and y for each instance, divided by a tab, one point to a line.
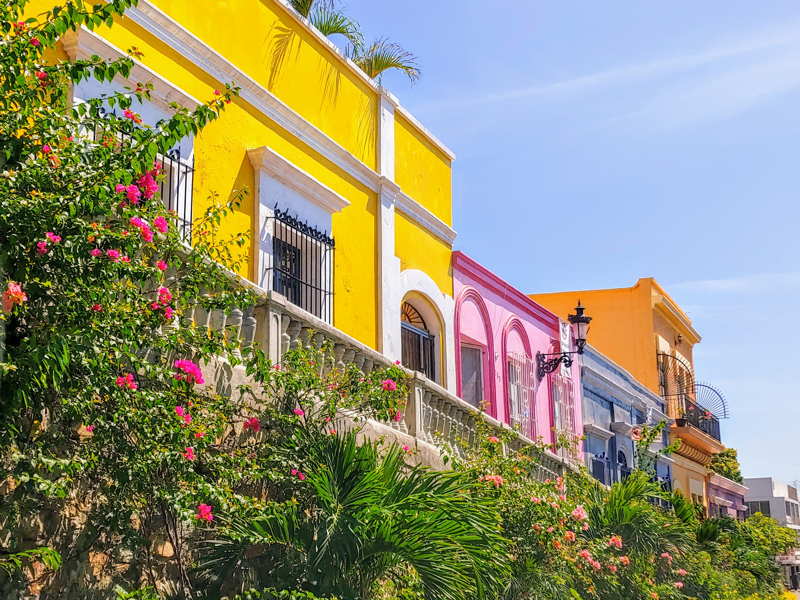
545	365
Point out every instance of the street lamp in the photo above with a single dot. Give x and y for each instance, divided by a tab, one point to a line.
547	363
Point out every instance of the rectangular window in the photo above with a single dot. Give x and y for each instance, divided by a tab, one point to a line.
300	266
175	187
758	506
472	375
521	386
562	399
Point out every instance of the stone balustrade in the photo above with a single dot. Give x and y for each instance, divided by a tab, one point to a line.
433	417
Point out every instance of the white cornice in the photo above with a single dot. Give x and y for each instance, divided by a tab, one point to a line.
410	207
597	431
83	44
309	187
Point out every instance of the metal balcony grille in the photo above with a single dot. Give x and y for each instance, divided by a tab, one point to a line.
300	266
418	350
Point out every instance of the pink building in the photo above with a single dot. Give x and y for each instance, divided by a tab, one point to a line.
498	331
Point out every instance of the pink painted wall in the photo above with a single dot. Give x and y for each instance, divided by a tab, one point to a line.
500	319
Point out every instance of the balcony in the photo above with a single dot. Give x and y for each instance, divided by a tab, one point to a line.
433	416
698	417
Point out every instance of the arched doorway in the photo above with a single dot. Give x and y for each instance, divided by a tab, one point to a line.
418	341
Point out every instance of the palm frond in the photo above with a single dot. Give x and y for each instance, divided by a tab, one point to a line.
383	55
330	21
302	6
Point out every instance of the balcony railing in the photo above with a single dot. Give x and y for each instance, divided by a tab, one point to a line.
700	418
433	416
600	469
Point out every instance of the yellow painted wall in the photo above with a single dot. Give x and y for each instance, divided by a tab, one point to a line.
621	327
419	249
422	170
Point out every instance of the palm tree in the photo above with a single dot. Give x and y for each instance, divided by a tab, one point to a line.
368	516
323	15
383	55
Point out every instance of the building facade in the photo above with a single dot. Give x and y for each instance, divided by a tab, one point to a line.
615	406
643	329
348	204
779	500
499	331
726	498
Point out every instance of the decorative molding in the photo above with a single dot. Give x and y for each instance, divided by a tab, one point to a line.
83	44
421	215
268	160
622	428
507	292
598	431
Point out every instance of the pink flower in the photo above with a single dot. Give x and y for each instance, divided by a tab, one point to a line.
493	439
97	308
389	385
579	513
161	265
636	434
301	476
497	480
585	554
187	418
199	434
125	258
585	527
596	565
41	247
127	381
113	255
119	188
89	428
191	371
667	556
551	529
52	237
536	500
612	568
165	297
129	114
147	233
569	536
160	223
95	252
46	149
253	424
204	513
678	584
682	572
188	453
615	541
217	92
35	42
168	313
276	367
397	362
624	560
299	412
180	411
406	448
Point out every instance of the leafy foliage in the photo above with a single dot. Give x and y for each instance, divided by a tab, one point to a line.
726	463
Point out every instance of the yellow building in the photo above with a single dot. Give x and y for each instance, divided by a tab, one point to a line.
644	330
349	203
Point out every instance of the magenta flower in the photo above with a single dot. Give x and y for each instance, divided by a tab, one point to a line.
168	313
299	412
191	372
204	513
299	474
253	424
147	234
161	265
199	434
615	541
165	297
46	149
398	416
187	418
41	247
96	252
389	385
188	453
160	223
35	42
406	448
148	184
89	428
113	255
133	193
180	411
127	381
52	237
119	188
97	307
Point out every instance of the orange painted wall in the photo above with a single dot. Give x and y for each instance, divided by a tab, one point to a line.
622	324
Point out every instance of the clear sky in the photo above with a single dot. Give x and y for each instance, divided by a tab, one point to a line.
599	142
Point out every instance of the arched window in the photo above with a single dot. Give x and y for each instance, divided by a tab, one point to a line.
418	341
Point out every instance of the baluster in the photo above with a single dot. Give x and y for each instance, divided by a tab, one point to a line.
359	361
249	328
293	332
349	353
217	321
233	331
367	366
338	352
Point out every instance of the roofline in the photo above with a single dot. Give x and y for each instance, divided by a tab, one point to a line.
356	70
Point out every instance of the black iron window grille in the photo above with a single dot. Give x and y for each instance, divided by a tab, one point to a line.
175	179
418	345
300	266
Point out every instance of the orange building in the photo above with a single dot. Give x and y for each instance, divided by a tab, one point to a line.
644	330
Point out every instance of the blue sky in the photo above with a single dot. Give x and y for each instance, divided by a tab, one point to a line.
601	142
